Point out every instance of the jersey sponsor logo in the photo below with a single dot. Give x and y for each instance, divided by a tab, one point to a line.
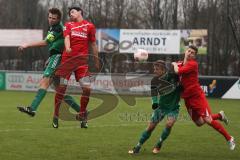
79	34
50	37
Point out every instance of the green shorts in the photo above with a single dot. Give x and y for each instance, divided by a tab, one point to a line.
52	65
159	114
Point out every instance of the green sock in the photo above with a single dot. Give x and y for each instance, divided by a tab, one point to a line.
166	132
72	103
145	135
38	98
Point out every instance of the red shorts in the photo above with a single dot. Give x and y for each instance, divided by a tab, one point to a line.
70	64
197	106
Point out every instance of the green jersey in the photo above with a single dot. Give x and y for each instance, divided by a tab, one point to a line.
169	100
55	39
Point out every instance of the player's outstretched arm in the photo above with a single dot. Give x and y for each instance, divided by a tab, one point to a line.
175	67
33	44
67	44
154	93
186	68
95	54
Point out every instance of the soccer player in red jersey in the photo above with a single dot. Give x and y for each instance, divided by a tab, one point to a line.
79	35
194	96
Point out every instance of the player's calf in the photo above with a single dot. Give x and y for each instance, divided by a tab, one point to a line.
199	122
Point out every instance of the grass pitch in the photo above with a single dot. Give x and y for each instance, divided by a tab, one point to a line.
110	136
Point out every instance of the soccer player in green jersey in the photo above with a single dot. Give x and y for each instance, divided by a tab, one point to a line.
167	105
55	42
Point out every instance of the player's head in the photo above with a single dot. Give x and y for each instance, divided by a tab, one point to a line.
159	67
54	16
75	13
191	52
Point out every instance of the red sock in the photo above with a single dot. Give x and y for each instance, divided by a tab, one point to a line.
60	91
216	116
217	126
84	103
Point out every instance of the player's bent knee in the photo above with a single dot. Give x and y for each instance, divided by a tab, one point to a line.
208	120
150	129
199	123
86	90
170	124
44	83
151	126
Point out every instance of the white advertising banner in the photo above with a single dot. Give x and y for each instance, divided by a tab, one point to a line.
29	81
117	84
233	92
101	84
154	41
22	81
16	37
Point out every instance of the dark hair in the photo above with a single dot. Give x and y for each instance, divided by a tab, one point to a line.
76	8
159	63
55	11
194	48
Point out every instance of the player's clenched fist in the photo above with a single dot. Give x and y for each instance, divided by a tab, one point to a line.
68	50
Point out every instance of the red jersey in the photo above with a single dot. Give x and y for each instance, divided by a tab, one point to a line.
189	79
80	33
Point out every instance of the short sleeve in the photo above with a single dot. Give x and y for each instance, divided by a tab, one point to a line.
154	87
66	29
92	33
188	67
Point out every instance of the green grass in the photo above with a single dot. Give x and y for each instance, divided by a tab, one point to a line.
110	136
